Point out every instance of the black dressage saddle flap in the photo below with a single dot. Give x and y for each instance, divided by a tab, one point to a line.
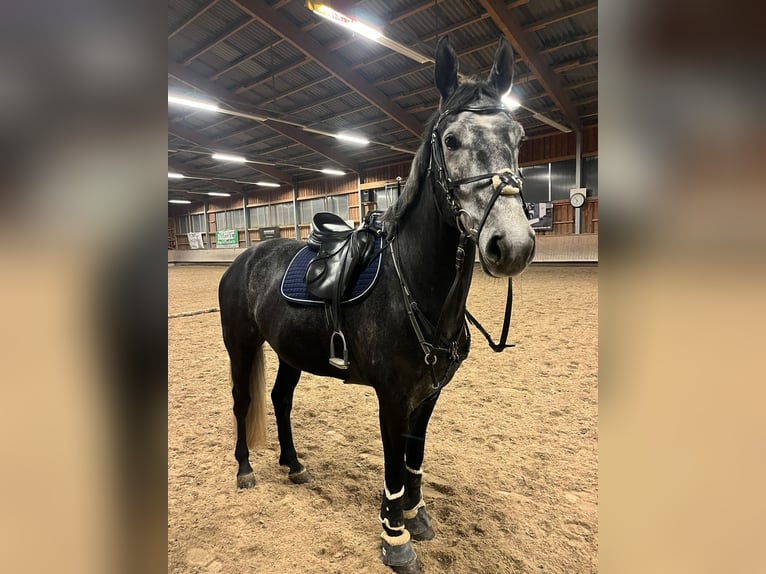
342	252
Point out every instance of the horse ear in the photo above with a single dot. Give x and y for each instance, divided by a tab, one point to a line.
501	74
445	69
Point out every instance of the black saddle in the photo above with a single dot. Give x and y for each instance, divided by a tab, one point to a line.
342	253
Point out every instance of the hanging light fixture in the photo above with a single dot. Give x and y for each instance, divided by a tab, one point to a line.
210	107
229	157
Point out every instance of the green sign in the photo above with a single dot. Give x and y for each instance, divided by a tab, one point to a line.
227	238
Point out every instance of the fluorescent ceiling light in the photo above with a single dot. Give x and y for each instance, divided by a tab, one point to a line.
178	201
218	194
193	103
228	157
266	184
403	50
345	21
350	138
510	101
552	123
365	30
329	171
172	175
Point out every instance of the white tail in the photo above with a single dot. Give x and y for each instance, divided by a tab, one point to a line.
256	413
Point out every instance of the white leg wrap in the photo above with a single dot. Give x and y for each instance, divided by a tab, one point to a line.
394	496
412	470
403	538
413	512
387	524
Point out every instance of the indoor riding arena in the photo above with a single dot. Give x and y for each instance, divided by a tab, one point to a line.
282	109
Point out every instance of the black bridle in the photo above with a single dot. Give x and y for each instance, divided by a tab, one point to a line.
503	183
437	168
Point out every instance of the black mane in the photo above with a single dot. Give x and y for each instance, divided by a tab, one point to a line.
467	92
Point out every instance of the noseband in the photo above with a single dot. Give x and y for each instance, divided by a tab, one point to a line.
504	182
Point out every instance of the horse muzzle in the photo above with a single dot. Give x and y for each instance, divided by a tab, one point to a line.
505	256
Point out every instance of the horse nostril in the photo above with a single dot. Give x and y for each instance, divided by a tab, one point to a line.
494	249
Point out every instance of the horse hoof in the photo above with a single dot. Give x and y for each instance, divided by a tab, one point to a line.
300	477
246	480
412	567
420	526
401	558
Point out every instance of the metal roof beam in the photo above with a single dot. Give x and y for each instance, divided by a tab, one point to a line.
523	44
298	89
329	61
572	42
247	57
193	17
244	58
192	79
263	78
580	84
200	140
242	23
218	123
404	14
559	16
179	167
455	26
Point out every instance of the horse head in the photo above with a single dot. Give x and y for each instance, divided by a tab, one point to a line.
474	161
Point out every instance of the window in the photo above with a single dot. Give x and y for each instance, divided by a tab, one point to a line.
338	204
535	183
590	174
308	207
189	223
385	198
271	215
232	219
259	216
562	178
282	214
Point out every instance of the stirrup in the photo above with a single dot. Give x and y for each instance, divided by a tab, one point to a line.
335	361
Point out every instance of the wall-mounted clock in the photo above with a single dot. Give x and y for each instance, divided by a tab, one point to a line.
577	196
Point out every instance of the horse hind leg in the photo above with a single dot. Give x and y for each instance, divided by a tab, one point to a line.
249	408
282	399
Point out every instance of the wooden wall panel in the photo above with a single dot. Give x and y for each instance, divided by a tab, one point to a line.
557	147
387	173
327	186
590	217
270	196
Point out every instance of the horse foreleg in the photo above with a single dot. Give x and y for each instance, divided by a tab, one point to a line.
396	546
282	399
416	519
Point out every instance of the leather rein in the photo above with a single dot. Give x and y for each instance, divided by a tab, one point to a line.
504	183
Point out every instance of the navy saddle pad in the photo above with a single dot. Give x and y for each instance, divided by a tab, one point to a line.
294	287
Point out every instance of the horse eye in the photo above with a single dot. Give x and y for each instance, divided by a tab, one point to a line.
451	142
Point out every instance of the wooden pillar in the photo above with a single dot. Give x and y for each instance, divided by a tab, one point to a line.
295	210
247	225
207	224
578	174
